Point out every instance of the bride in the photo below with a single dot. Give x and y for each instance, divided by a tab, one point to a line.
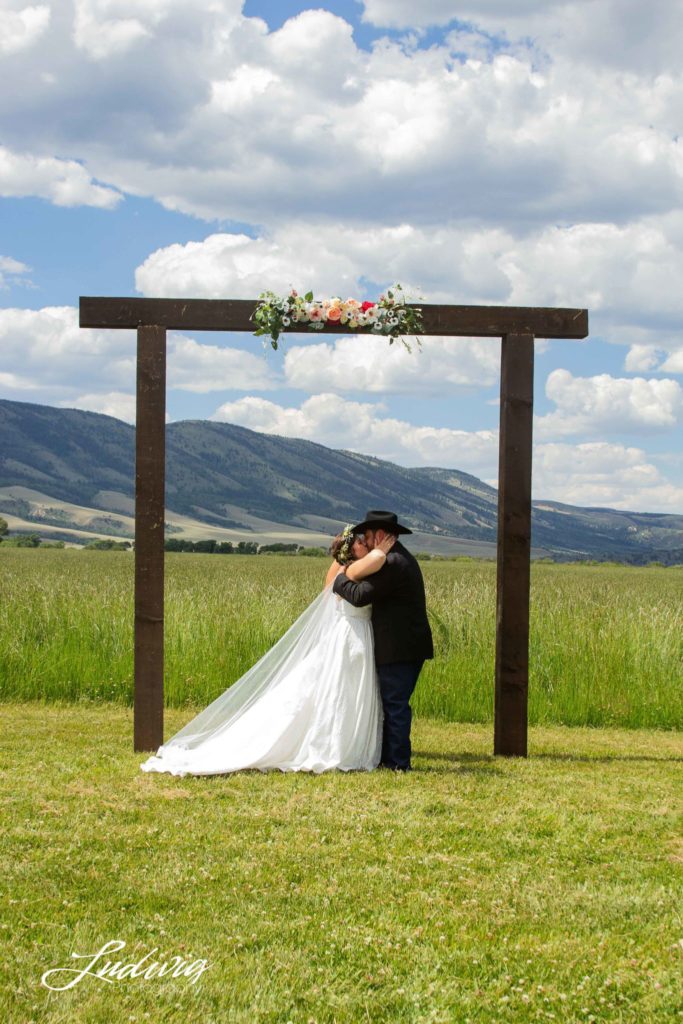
311	703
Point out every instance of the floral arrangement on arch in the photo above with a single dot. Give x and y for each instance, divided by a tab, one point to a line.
389	316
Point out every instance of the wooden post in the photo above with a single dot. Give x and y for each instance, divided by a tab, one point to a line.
514	544
150	448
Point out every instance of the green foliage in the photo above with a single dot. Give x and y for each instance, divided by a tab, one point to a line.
314	553
174	544
212	547
107	545
205	547
16	507
224	547
279	549
27	540
4	528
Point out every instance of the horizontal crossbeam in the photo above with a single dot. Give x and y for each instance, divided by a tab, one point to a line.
234	315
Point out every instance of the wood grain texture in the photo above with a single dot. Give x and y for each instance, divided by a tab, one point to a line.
150	451
234	315
514	545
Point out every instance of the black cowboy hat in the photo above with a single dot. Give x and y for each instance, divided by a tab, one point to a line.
376	520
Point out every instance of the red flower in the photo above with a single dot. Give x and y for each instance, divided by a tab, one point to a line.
365	306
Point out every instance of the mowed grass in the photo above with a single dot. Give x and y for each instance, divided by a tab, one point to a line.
475	890
606	643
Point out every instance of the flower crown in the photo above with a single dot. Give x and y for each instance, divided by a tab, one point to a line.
344	553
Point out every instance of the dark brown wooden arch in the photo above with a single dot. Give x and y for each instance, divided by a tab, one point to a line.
517	326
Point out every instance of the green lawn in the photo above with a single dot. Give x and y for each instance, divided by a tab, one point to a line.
473	889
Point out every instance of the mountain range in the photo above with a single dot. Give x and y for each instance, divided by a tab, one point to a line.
71	473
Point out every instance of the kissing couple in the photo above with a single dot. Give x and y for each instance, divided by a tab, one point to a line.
334	692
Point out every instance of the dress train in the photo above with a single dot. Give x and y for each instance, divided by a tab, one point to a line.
311	703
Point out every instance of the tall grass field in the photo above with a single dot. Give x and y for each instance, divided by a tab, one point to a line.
606	642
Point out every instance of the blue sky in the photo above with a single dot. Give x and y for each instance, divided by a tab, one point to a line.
523	157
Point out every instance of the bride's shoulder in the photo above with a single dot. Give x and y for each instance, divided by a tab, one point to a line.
333	572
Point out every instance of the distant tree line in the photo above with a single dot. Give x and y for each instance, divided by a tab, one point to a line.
242	547
653	558
30	540
34	540
108	545
211	547
248	547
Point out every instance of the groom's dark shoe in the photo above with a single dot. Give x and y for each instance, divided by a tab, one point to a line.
394	767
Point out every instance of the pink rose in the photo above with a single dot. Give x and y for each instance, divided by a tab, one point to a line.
334	314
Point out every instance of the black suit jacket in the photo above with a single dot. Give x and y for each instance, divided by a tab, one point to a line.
399	610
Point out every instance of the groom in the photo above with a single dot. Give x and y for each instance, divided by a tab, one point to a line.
403	639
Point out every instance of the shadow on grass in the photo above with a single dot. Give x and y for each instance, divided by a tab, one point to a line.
486	762
460	764
606	757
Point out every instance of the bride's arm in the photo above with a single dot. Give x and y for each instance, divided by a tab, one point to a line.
332	573
370	563
366	566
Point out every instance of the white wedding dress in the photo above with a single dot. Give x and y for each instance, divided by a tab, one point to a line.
312	703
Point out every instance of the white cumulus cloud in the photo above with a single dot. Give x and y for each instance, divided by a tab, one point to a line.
641	358
21	29
119	404
239	267
13	272
602	474
360	426
674	362
63	182
596	473
46	351
48	348
202	368
609	405
264	126
619	33
368	363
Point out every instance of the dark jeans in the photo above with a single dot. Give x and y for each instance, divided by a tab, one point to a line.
396	683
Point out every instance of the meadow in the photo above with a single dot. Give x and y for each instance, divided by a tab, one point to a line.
606	642
474	890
